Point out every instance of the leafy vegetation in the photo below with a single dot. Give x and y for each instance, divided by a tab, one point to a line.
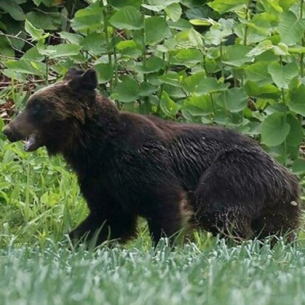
237	63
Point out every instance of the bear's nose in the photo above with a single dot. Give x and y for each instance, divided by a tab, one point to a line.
7	131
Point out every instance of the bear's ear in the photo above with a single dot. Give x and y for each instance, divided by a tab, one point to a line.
89	79
82	81
73	72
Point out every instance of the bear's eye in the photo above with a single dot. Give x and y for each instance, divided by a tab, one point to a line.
36	108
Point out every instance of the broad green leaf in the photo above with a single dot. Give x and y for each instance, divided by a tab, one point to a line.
282	75
156	30
6	48
174	11
297	100
235	99
189	39
26	66
104	71
180	25
236	55
291	28
71	37
95	43
127	18
11	7
61	50
298	166
129	48
223	6
295	135
88	19
171	79
274	130
198	105
119	3
147	89
189	83
209	85
157	5
168	106
281	49
35	33
286	4
186	57
267	91
260	48
258	72
153	64
127	91
46	21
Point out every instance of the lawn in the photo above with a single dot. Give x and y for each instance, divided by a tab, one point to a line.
40	202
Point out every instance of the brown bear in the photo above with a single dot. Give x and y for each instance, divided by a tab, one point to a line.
131	165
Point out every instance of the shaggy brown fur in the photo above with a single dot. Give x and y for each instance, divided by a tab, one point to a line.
130	165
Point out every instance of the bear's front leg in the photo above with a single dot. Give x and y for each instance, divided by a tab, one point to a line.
118	226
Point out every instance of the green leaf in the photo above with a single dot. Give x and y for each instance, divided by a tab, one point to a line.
147	89
209	85
236	55
291	28
260	48
153	64
46	21
286	4
268	91
127	18
235	99
35	33
26	66
129	48
295	136
174	11
297	100
95	43
189	83
171	78
104	71
298	166
282	75
185	57
61	50
156	30
223	6
168	106
13	9
198	105
119	3
127	91
88	19
258	72
274	130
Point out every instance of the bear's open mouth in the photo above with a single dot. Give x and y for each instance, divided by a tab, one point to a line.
32	142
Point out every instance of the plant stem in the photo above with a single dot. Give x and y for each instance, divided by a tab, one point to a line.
248	17
105	17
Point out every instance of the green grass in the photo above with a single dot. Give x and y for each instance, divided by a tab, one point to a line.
40	202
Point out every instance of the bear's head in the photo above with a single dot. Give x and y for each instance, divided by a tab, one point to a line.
53	114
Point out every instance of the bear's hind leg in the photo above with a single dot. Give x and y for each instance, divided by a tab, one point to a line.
169	215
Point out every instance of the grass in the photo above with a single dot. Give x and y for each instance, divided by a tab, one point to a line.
40	202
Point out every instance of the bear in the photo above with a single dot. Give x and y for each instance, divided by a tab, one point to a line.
171	173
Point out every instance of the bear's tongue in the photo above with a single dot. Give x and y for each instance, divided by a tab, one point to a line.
31	143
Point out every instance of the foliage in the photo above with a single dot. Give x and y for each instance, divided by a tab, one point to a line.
238	64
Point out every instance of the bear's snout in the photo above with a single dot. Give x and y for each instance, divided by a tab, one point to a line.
12	135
